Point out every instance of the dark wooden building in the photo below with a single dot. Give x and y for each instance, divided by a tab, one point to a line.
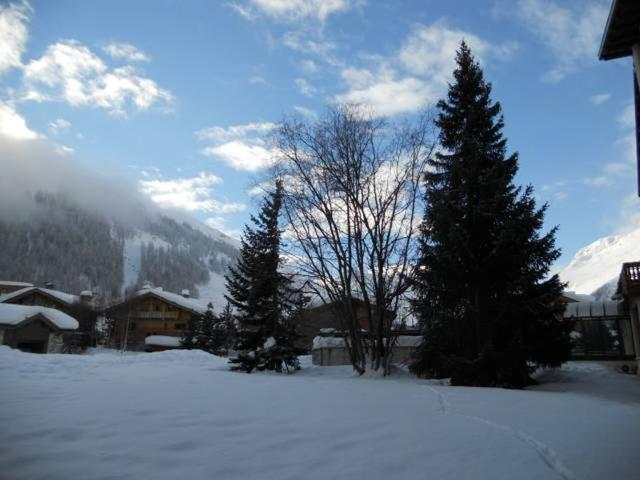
151	313
327	316
34	329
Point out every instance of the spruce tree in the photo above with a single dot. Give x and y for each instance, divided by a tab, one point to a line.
258	292
488	309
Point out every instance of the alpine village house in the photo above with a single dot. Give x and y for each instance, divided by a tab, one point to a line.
152	319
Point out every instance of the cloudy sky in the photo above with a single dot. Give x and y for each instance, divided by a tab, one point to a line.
179	96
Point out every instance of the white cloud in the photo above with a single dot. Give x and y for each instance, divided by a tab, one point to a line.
191	194
312	43
571	31
627	118
391	96
126	51
257	79
305	87
293	10
242	155
59	125
240	146
220	223
431	50
221	134
309	66
417	74
14	126
307	112
13	34
625	147
71	72
600	98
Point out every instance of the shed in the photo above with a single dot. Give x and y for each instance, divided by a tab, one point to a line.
34	329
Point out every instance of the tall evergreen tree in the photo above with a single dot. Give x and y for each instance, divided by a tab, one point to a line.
259	293
487	308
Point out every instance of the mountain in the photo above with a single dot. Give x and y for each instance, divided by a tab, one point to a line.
595	268
77	248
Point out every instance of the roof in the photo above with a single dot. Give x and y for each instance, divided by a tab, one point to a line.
11	283
14	315
622	29
163	341
190	304
63	297
572	297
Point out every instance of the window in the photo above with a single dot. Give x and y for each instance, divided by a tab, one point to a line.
179	326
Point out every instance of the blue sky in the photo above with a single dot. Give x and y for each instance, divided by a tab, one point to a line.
179	95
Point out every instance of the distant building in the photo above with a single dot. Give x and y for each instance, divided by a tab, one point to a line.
152	319
80	307
326	316
34	329
44	297
621	38
609	331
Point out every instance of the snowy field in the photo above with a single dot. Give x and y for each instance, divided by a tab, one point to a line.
183	415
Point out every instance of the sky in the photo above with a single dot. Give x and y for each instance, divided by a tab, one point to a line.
179	97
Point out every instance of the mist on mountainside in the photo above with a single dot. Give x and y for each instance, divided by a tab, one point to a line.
61	223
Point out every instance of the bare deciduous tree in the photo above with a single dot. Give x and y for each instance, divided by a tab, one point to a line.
352	187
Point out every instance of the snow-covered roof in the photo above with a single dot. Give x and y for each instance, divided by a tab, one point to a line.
192	304
163	341
10	283
337	342
579	297
64	297
593	309
11	314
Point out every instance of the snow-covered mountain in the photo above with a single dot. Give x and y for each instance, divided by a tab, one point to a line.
79	249
595	268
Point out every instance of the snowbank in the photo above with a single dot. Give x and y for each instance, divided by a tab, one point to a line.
182	414
337	342
163	340
11	314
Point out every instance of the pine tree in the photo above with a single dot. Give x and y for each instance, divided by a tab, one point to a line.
487	309
259	293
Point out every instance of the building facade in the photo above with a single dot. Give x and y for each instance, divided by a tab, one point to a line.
149	313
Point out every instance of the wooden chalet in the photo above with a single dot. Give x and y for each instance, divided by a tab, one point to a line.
152	319
621	38
44	297
34	329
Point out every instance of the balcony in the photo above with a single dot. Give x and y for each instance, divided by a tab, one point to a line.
156	315
630	279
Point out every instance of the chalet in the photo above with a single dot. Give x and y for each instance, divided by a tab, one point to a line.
44	297
621	39
34	329
327	316
152	319
79	307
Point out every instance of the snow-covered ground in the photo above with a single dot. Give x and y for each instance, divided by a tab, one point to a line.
182	414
